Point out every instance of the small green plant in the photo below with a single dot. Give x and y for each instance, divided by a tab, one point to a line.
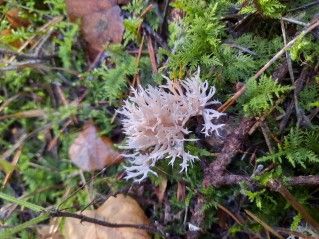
300	148
267	8
70	31
304	50
131	26
309	97
260	95
199	44
111	83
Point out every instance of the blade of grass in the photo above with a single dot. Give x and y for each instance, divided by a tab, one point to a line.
32	206
6	233
265	225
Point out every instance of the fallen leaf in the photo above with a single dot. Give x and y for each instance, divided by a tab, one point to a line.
120	209
80	8
8	33
101	21
103	28
48	232
89	151
123	2
15	20
75	229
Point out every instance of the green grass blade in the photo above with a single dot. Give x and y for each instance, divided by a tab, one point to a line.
32	206
7	233
6	166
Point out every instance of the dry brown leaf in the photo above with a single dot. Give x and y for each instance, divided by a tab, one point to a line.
75	229
119	209
15	20
103	28
101	21
8	32
89	151
80	8
160	189
181	191
46	232
123	2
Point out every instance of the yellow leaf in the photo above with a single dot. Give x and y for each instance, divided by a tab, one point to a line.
120	209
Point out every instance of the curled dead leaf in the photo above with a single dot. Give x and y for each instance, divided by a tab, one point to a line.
120	209
90	152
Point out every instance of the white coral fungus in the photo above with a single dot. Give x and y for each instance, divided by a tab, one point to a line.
155	121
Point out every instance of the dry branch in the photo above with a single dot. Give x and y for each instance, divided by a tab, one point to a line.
103	223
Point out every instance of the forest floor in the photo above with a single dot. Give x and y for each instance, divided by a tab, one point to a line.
159	119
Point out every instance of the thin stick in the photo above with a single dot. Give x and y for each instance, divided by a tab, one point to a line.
264	224
231	100
298	234
294	21
283	50
14	163
151	53
291	73
266	131
138	63
65	101
156	36
80	188
277	186
101	222
42	29
41	43
9	101
23	138
96	59
26	56
54	141
305	6
230	214
149	8
19	65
